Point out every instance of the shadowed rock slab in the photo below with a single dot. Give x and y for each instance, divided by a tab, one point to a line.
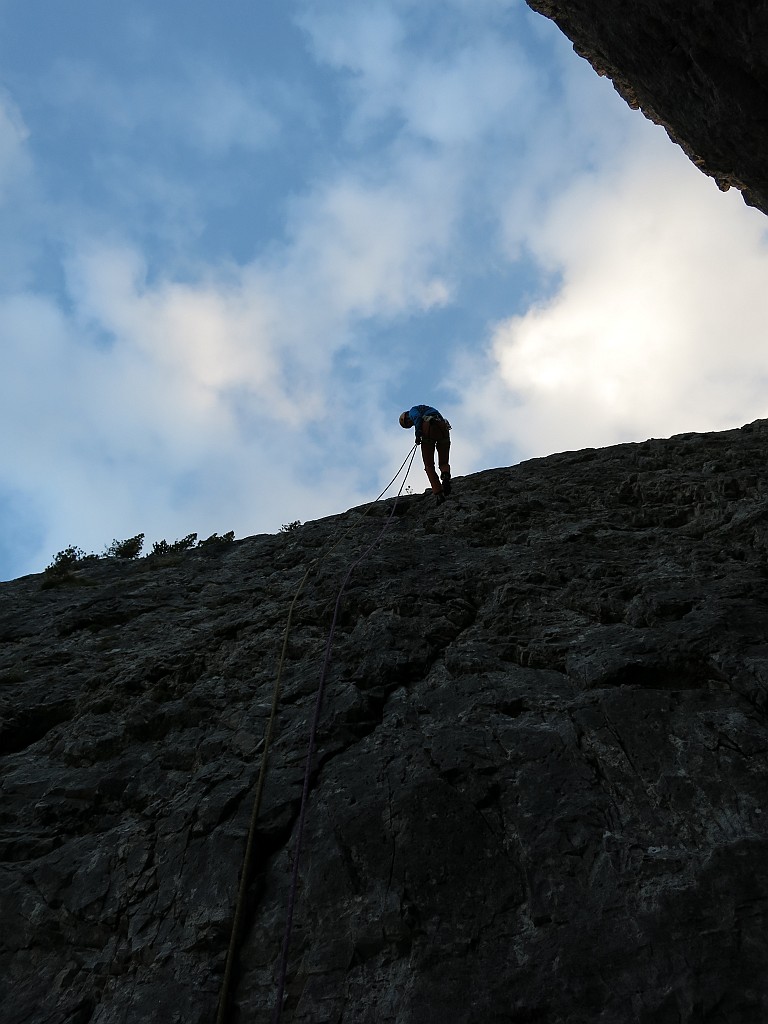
541	785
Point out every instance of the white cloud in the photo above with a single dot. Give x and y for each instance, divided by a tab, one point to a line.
657	324
369	248
449	85
149	408
188	344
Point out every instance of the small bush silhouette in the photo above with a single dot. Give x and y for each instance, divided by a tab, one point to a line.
289	527
214	540
162	547
66	560
130	548
60	569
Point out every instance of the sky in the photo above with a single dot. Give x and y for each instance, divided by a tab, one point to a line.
237	240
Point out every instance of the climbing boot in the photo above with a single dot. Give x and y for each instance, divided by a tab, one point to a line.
439	498
446	478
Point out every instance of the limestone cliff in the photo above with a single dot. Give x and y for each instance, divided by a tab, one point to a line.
699	68
541	789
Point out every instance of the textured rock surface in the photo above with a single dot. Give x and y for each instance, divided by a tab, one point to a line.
699	68
542	785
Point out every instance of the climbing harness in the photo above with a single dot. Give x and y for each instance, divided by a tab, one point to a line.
248	856
435	428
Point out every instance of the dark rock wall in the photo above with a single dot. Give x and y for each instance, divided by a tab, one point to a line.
541	791
698	67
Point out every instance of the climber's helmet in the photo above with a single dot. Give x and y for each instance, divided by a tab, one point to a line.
405	420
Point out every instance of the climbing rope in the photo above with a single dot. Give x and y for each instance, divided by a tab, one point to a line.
311	753
248	855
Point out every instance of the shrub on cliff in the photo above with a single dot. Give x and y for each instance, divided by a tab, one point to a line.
130	548
215	541
66	560
162	547
60	569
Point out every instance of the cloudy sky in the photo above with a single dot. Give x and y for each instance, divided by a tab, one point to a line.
238	239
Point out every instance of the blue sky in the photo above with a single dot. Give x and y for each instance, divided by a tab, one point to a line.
238	240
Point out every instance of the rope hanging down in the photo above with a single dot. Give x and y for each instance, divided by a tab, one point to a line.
248	856
311	752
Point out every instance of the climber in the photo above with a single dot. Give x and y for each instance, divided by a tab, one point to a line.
432	432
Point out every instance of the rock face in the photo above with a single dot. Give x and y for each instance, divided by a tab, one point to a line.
699	68
541	784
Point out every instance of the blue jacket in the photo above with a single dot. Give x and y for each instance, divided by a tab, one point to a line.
417	414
